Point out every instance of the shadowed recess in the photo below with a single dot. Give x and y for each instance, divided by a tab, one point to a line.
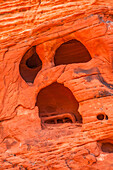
107	147
102	117
57	104
30	65
70	52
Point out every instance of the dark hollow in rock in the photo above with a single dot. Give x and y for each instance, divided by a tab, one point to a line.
102	117
33	61
107	147
106	117
72	51
30	65
57	104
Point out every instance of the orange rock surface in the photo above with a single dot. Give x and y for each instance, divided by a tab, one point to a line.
56	84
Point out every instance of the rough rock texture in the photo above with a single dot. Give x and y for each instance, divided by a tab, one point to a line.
56	84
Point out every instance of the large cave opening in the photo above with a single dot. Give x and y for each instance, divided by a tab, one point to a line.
30	65
57	104
72	51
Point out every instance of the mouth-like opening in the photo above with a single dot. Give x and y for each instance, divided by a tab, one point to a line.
57	104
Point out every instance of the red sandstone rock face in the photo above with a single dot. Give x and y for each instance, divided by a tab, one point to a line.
56	84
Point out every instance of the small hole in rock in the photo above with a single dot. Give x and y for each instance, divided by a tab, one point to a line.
106	117
67	120
50	121
59	121
100	117
34	61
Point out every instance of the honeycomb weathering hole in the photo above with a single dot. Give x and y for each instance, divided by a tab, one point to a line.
57	104
102	117
33	61
70	52
30	65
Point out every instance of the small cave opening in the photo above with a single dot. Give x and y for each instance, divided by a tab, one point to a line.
107	147
33	61
30	65
72	51
57	104
102	117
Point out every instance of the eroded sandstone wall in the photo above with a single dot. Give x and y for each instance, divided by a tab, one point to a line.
52	52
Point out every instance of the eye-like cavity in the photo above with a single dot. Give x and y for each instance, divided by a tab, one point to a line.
70	52
30	65
57	104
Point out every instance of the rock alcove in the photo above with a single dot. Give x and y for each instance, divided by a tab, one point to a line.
72	51
30	65
107	147
57	104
